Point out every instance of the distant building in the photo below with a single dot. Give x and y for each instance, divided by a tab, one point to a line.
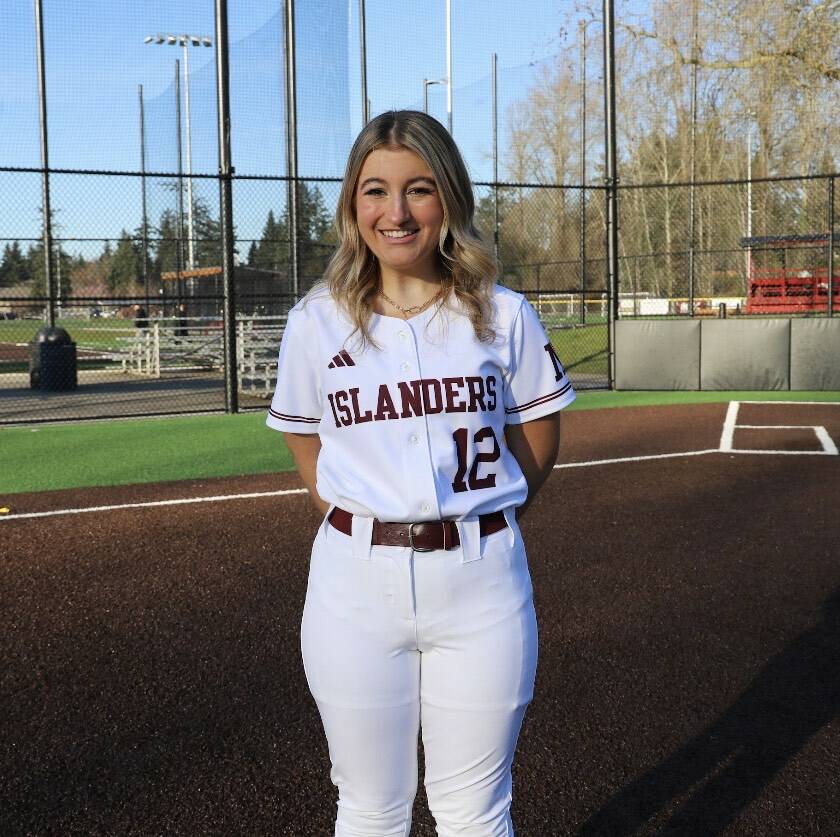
260	292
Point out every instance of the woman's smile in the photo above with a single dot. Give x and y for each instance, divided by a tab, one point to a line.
399	213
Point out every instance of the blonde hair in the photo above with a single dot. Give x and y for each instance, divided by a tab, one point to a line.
467	267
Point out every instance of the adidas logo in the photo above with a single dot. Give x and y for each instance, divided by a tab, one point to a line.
341	359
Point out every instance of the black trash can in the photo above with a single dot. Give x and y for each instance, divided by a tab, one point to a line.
52	360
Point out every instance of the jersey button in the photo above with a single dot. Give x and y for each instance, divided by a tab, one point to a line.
426	507
405	367
413	439
402	335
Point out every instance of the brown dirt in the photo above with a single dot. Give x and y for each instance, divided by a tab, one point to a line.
689	676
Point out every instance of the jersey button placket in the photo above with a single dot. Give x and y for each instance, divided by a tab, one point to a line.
419	431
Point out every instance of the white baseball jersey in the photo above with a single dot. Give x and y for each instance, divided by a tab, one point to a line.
414	430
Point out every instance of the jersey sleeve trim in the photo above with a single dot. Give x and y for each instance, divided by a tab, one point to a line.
541	400
292	424
539	407
283	417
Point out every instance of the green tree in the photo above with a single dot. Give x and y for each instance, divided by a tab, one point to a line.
125	268
14	268
207	232
62	265
272	250
314	237
166	248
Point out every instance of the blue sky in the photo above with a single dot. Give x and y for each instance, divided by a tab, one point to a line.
95	60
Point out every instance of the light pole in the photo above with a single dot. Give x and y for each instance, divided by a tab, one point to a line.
426	83
449	65
750	117
185	41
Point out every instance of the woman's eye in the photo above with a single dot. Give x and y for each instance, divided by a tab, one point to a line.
375	192
420	191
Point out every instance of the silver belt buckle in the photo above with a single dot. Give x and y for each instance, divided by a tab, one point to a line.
411	538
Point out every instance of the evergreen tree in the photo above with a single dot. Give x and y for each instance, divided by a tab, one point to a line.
125	268
314	239
62	266
252	255
166	246
207	232
272	251
314	225
14	268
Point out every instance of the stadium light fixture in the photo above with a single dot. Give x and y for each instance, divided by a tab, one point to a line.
185	41
426	83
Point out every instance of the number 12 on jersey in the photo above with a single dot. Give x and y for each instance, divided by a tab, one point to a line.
473	481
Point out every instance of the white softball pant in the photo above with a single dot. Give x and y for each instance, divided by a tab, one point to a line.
395	640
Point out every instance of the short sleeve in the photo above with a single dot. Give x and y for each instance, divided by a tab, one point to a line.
297	405
537	383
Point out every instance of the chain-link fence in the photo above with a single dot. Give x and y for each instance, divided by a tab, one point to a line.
145	310
751	248
713	110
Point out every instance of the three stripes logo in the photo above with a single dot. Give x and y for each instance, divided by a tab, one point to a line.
341	359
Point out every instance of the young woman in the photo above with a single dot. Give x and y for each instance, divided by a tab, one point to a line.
420	400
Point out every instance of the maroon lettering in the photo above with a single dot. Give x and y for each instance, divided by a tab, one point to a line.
429	385
474	482
357	417
346	415
460	436
451	387
475	386
555	361
412	399
490	456
332	407
385	405
491	393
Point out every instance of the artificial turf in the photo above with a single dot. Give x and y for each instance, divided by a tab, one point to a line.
123	452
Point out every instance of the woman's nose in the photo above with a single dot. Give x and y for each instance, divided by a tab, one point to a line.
398	210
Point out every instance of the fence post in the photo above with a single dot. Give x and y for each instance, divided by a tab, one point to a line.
611	179
226	210
291	146
582	36
49	279
830	309
156	349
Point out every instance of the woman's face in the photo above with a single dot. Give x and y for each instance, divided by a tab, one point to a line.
399	212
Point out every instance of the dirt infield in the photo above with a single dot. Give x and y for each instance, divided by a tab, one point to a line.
689	614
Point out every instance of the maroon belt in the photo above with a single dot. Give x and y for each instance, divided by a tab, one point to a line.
423	536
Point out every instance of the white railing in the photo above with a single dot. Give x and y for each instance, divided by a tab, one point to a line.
169	346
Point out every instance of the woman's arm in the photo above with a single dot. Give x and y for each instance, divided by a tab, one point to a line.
305	448
534	445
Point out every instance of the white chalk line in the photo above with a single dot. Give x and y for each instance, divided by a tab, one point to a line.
771	403
635	458
829	449
728	433
152	503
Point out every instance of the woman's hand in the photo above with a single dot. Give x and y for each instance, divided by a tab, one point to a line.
534	445
305	448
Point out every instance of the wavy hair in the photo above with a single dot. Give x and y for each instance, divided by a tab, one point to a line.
467	267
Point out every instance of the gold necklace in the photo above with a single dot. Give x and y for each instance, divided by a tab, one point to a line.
411	308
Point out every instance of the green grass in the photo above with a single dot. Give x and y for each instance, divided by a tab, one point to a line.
138	451
193	447
583	350
100	334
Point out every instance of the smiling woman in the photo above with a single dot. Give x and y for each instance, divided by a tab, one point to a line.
400	216
430	432
405	225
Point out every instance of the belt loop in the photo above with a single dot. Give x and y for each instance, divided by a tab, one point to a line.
362	535
324	528
469	532
513	524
